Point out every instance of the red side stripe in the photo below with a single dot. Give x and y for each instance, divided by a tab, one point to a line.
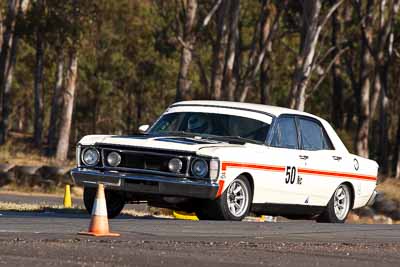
221	185
251	166
337	174
225	165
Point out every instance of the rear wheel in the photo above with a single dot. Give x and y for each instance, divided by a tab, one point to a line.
338	207
233	205
115	201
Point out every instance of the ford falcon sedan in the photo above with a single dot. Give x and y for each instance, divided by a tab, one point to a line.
223	160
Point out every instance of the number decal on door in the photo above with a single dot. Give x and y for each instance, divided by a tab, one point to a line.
291	173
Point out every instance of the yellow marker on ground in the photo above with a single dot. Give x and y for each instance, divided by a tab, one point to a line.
185	216
67	197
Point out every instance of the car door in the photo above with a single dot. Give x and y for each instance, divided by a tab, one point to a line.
284	152
319	162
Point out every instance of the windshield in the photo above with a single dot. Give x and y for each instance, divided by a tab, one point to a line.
211	124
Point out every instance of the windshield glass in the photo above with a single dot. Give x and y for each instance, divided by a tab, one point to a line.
211	124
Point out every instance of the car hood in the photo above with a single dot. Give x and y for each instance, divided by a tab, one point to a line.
179	143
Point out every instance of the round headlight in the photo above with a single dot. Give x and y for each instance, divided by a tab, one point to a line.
90	156
175	165
200	168
114	159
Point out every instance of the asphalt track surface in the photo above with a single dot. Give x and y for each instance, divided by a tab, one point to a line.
50	200
50	239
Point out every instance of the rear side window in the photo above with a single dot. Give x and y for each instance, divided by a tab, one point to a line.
313	136
285	134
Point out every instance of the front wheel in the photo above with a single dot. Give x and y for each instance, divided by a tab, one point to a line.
115	201
233	205
338	207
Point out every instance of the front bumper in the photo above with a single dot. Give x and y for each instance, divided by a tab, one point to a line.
145	183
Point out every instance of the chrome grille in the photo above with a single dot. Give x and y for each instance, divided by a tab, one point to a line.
141	160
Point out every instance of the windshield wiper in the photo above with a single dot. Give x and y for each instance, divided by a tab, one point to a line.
180	133
234	139
247	140
227	138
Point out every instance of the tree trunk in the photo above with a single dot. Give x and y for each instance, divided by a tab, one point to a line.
261	49
397	152
377	88
56	103
337	112
139	105
265	81
203	77
364	105
183	83
1	30
268	30
383	133
7	61
350	104
366	67
230	78
304	62
68	105
38	94
219	51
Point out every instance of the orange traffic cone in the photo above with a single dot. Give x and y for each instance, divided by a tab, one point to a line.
99	223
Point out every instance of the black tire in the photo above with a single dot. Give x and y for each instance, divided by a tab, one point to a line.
115	201
218	209
332	216
206	210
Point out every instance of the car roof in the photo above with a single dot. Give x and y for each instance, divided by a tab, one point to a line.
272	110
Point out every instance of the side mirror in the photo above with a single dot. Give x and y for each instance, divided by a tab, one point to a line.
143	128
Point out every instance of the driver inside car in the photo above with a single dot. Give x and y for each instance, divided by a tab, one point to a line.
198	123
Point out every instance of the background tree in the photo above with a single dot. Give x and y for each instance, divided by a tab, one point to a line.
311	28
108	66
187	41
76	18
39	13
16	10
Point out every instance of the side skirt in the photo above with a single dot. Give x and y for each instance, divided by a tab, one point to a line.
287	210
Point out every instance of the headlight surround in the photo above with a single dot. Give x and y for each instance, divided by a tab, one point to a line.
175	165
114	159
199	168
90	156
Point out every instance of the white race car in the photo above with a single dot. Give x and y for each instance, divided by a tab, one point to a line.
223	160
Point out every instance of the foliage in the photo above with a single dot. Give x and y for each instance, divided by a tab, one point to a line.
129	54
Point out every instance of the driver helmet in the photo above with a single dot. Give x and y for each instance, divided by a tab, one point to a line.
197	123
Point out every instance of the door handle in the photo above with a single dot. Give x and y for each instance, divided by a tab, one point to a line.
303	157
337	158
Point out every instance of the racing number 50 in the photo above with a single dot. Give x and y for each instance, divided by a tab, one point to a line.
291	172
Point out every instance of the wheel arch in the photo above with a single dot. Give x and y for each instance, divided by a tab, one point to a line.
250	179
352	192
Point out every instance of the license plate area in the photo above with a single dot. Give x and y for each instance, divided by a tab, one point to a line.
108	181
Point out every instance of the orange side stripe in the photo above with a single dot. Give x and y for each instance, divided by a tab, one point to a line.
221	185
251	166
337	174
226	165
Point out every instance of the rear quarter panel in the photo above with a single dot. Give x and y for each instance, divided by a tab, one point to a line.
363	188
